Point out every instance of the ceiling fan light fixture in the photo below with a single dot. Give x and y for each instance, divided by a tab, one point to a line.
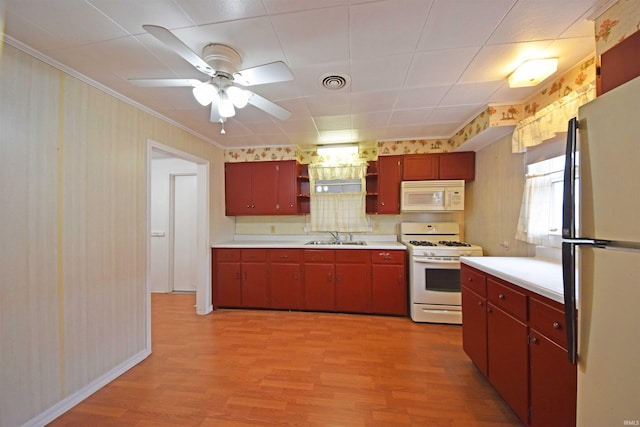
225	106
533	72
205	93
238	96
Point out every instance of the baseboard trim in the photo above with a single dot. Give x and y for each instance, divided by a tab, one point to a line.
70	401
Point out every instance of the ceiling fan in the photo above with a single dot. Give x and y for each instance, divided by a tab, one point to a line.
224	89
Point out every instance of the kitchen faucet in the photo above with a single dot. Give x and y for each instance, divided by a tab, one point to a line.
335	235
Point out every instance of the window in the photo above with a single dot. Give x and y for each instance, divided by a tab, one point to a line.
540	220
338	197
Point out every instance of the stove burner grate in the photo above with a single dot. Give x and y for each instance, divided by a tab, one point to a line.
422	243
453	243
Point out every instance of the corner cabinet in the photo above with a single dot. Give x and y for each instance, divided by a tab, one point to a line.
262	188
516	339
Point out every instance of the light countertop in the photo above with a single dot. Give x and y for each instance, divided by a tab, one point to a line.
376	242
540	275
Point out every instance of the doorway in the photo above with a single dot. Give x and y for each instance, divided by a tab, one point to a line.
159	271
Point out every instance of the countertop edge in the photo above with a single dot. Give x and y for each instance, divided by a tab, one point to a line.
235	244
492	265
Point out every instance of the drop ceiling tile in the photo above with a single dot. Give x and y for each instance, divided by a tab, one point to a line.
439	68
275	7
471	93
73	22
299	126
462	23
455	113
326	105
366	102
127	14
374	27
370	120
416	116
421	97
539	20
368	74
306	38
324	123
205	12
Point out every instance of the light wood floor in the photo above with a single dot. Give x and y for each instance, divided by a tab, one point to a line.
278	368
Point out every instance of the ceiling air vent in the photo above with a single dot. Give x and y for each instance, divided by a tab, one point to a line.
334	81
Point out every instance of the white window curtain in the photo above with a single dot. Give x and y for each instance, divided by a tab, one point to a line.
538	210
533	224
344	212
550	120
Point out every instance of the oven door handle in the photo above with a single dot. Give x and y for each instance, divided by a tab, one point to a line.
436	261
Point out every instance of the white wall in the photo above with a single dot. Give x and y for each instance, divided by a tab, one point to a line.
73	234
161	170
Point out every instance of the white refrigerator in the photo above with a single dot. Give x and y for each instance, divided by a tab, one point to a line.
601	256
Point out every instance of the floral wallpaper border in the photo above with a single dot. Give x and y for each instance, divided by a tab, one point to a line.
616	23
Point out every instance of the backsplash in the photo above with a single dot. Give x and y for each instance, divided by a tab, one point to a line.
297	225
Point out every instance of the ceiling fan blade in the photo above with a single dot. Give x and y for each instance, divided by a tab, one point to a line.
165	82
262	74
175	44
269	107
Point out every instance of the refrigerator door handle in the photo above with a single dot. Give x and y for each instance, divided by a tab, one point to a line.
569	184
569	283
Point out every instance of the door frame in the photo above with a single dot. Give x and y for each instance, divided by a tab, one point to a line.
203	285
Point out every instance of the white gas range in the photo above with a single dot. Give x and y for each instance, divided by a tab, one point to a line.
434	270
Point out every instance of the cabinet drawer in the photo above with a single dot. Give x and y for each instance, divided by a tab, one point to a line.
549	321
226	255
319	255
284	255
352	255
387	257
254	255
507	299
474	280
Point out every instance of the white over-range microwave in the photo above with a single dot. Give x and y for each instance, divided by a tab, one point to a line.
432	196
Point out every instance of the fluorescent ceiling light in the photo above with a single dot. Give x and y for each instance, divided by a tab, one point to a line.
337	149
532	72
337	136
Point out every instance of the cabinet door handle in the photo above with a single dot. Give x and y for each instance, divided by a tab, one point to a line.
284	256
534	340
381	203
330	277
556	325
489	310
480	303
470	279
501	296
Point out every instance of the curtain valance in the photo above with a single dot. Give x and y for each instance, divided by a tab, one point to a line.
550	120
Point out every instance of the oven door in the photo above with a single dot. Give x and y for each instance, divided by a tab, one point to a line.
435	281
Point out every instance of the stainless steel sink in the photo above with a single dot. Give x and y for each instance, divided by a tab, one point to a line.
336	243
